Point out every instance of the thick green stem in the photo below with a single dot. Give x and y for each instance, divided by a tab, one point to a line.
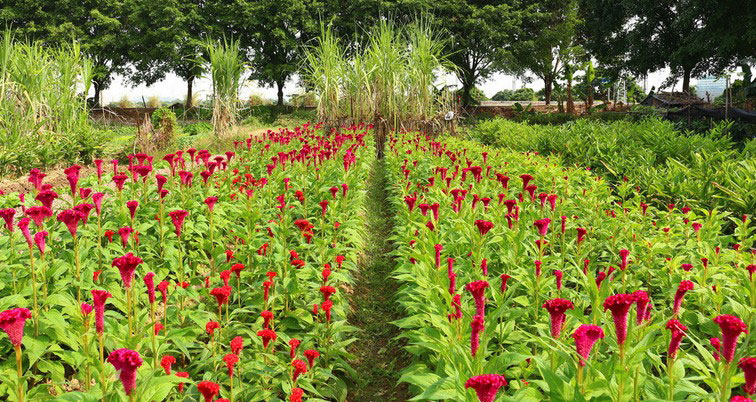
20	367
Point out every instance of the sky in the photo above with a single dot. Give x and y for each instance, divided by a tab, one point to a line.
173	87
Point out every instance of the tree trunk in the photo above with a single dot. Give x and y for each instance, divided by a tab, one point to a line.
547	87
589	102
97	93
570	102
466	95
686	79
189	83
280	85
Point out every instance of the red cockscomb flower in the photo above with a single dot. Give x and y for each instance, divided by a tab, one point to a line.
585	337
731	327
486	386
236	269
557	308
166	362
300	368
267	335
126	266
71	218
99	298
478	291
311	355
543	226
12	322
177	217
211	326
623	257
748	365
208	389
327	292
641	304
683	288
296	395
677	333
237	344
483	226
619	305
126	362
477	325
293	345
230	359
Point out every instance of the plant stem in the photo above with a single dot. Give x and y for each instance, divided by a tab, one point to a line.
725	383
19	366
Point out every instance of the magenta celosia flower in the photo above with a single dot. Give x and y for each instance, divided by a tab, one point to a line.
677	333
72	175
477	326
619	305
267	335
125	232
537	268
149	282
623	256
71	218
208	389
132	206
543	226
126	266
166	362
504	279
39	240
748	365
324	206
38	214
97	200
230	359
210	202
35	178
738	398
478	291
23	225
526	178
84	210
558	275
483	226
585	337
99	298
716	343
731	327
557	308
581	235
7	215
683	288
86	309
486	386
438	249
641	304
178	217
12	322
46	197
126	362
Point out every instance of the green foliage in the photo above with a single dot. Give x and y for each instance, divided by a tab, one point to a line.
162	113
703	170
226	67
521	94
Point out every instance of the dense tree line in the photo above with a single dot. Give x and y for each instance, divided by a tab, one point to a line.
144	40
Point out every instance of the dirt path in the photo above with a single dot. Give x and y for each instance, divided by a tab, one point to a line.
379	357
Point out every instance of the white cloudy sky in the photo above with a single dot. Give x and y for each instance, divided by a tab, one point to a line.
173	87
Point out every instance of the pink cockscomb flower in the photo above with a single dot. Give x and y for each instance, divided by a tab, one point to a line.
677	333
71	218
619	305
623	258
641	305
731	327
486	386
99	298
557	308
126	266
149	282
177	217
477	325
126	362
12	322
585	337
748	365
478	291
166	362
483	226
683	288
543	226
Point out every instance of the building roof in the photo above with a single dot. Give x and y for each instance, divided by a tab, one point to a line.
672	99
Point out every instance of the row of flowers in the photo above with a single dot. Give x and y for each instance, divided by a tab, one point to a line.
226	286
519	272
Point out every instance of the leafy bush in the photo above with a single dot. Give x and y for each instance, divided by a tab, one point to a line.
162	113
703	169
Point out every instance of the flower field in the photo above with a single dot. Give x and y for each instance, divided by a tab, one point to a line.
194	277
526	278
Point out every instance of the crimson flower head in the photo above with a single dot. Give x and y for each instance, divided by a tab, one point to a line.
477	325
526	178
99	298
46	197
324	206
683	288
166	362
237	268
119	180
581	235
162	287
210	201
327	306
221	294
72	175
225	276
311	355
86	309
641	304
483	226
327	292
557	308
300	368
12	322
293	345
731	327
716	343
36	177
585	337
543	226
7	215
38	214
230	359
677	333
486	386
126	362
237	344
126	266
267	335
296	395
478	291
267	316
211	326
504	279
208	389
748	365
178	217
71	218
40	241
738	398
132	206
623	256
619	305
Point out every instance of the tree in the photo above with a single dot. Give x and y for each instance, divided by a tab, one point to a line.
98	26
480	37
691	37
550	42
522	94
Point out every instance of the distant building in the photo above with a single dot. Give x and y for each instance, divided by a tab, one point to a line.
671	100
714	86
